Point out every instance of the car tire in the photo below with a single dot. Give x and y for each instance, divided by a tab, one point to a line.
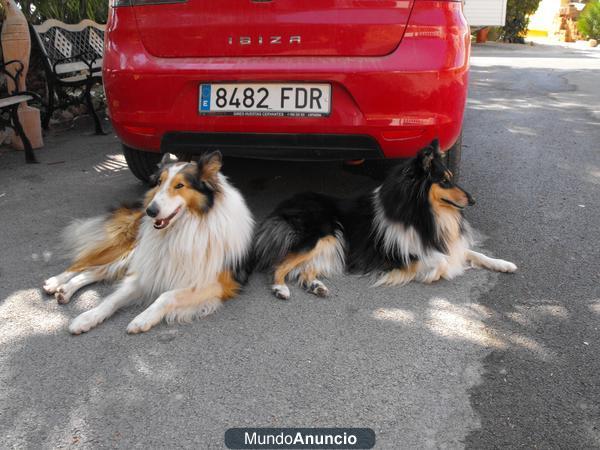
452	158
142	164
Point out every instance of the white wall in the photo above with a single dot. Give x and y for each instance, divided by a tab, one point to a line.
543	18
485	12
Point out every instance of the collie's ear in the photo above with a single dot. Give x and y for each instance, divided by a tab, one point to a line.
435	145
426	156
167	158
211	164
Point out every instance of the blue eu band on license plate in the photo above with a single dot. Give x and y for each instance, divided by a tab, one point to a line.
205	97
255	99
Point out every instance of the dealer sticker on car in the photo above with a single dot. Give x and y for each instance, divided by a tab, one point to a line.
253	99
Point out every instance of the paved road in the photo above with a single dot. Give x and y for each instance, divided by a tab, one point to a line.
484	361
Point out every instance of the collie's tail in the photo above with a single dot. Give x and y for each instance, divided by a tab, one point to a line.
83	236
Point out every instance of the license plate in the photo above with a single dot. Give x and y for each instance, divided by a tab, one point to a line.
255	99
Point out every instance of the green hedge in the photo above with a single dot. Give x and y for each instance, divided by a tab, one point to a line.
69	11
589	20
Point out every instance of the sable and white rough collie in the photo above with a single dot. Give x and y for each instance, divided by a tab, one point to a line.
185	249
410	228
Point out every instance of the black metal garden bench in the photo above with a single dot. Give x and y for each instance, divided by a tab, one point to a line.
73	64
9	105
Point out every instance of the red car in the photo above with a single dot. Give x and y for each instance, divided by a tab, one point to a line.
283	79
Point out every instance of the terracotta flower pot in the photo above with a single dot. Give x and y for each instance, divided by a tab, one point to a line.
482	35
16	45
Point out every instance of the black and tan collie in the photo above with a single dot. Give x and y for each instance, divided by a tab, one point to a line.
410	228
184	249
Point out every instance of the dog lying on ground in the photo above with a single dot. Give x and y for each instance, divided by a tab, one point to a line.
410	228
186	249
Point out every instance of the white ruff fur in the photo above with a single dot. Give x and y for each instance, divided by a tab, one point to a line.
194	249
398	240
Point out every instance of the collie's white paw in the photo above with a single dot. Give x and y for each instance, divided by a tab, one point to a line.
62	296
506	266
86	321
51	285
281	291
140	324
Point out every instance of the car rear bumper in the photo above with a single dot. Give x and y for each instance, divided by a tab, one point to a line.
275	145
381	106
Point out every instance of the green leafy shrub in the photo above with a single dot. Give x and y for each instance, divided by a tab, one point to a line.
517	19
68	11
589	20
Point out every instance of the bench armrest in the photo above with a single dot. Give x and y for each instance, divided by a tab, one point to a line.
35	95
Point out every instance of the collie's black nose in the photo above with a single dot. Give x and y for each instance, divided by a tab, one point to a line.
152	210
471	200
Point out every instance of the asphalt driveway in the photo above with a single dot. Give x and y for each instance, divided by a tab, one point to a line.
484	361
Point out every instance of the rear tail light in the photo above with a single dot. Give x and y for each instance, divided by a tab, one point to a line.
117	3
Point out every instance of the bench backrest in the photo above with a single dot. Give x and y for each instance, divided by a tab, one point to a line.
64	42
